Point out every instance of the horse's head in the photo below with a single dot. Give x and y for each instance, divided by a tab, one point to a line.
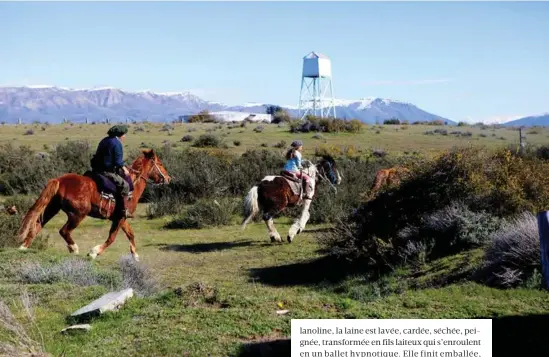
327	169
153	169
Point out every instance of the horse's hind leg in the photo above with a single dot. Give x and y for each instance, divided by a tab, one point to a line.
73	222
50	212
273	233
131	237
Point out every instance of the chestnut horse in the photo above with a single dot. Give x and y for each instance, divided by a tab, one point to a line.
274	194
79	197
387	177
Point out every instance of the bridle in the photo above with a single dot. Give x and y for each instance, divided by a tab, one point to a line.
139	174
322	175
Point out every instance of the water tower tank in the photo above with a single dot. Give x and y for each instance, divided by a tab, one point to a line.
317	65
317	95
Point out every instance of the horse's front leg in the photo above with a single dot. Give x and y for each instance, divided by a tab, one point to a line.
127	229
300	223
98	249
273	233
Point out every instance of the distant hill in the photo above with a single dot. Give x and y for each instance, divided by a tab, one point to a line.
535	120
52	104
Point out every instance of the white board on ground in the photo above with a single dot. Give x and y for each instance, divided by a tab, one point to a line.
107	302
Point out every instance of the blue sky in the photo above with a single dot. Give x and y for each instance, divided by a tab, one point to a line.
468	60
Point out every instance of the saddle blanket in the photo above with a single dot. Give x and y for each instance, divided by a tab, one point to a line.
296	184
104	184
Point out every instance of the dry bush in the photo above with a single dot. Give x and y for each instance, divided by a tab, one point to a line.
513	256
21	342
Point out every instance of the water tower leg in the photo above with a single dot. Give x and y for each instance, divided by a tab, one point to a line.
300	105
332	98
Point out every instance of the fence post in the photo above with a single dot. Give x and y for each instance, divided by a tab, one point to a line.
543	228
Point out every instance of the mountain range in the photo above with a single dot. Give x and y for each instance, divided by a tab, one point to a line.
53	104
535	120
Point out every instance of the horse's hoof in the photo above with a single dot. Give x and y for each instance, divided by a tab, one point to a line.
92	255
298	231
73	249
22	247
135	257
289	239
273	239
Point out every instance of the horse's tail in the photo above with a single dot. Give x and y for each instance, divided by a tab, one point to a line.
37	210
251	206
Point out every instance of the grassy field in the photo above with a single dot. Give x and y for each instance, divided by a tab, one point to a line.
391	138
219	289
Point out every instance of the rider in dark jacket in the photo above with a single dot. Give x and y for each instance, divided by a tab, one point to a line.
108	161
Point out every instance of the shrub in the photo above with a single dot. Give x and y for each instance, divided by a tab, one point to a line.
318	136
71	270
280	116
237	142
23	172
202	117
73	156
137	276
513	255
162	204
329	125
441	131
8	234
206	213
167	127
393	121
187	138
451	230
207	140
259	129
496	184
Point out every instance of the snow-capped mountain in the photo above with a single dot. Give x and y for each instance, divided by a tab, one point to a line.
52	104
369	110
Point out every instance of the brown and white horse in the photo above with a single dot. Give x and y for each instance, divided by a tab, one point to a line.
274	194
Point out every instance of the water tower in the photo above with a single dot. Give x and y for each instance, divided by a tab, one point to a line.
316	81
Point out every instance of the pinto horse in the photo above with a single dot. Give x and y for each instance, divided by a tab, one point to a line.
274	194
80	196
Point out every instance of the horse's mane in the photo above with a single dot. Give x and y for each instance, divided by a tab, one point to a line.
328	158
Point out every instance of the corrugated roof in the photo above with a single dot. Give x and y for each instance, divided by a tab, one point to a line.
315	54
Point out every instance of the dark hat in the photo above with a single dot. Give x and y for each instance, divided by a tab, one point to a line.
118	130
297	143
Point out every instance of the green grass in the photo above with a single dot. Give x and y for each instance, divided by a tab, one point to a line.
246	278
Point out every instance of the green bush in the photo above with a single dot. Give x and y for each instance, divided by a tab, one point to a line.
489	184
207	140
206	213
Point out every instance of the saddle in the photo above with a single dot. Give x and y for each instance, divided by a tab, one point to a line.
296	184
105	186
